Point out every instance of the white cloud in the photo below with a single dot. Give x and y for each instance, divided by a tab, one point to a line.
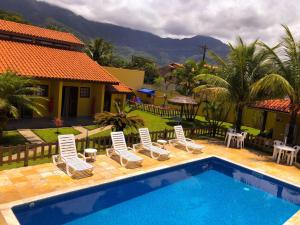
223	19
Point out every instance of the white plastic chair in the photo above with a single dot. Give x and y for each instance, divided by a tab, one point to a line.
120	148
275	149
289	155
241	140
155	149
69	156
230	130
188	144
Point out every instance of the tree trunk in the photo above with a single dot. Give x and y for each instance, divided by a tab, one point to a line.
239	117
292	124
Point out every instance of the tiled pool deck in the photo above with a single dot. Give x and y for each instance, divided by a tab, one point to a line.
31	183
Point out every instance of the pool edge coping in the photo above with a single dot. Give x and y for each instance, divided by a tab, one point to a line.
10	218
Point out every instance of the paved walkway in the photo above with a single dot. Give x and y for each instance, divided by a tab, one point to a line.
83	131
30	136
44	180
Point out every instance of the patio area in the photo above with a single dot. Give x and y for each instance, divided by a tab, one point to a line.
31	183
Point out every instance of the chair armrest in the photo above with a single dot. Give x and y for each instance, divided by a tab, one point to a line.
136	146
172	141
157	144
189	140
82	156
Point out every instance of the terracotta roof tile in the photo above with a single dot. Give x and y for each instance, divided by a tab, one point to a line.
279	105
34	31
45	62
120	88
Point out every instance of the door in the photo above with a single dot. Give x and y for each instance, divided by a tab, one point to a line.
107	101
69	102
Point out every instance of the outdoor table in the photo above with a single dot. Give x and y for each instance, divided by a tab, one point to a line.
162	142
284	148
91	152
230	136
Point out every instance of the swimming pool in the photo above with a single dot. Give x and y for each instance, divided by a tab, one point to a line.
209	191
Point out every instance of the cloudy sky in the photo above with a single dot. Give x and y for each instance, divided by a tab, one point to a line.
223	19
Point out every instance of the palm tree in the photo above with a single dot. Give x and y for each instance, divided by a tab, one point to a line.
285	81
119	120
17	92
100	51
245	65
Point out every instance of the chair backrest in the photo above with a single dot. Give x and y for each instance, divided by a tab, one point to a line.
179	133
67	146
244	134
297	147
276	142
231	130
118	141
145	137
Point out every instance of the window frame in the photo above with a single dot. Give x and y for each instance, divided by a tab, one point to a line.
85	92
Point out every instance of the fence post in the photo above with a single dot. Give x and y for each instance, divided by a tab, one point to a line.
1	156
192	132
26	153
165	133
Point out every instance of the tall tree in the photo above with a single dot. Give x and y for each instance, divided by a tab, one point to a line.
245	64
185	76
146	64
100	51
285	81
17	92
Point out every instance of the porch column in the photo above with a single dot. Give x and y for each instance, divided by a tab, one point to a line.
59	99
99	97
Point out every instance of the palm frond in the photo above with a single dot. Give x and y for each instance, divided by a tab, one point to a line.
212	80
272	86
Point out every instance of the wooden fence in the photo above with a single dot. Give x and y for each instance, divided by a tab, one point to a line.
159	110
25	153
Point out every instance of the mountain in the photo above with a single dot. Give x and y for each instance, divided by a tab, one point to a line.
127	41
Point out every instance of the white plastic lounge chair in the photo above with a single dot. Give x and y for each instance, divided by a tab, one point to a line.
189	144
155	149
69	156
120	148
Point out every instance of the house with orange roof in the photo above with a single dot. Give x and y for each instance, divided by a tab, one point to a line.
276	116
74	84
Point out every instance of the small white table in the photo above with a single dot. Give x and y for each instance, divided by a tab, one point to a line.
284	148
230	136
162	142
91	152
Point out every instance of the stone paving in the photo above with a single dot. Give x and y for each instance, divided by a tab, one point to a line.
30	136
83	131
31	183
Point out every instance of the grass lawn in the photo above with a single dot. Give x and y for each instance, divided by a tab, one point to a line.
154	123
12	138
91	127
49	135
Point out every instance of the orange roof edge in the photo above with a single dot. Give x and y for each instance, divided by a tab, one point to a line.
277	105
38	32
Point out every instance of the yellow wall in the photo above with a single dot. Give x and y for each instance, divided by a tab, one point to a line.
85	106
132	78
120	98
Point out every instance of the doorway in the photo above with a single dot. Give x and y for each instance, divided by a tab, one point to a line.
69	102
107	101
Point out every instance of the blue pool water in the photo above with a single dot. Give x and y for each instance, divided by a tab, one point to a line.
210	192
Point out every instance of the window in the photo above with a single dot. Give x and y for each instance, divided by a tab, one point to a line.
84	92
43	90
